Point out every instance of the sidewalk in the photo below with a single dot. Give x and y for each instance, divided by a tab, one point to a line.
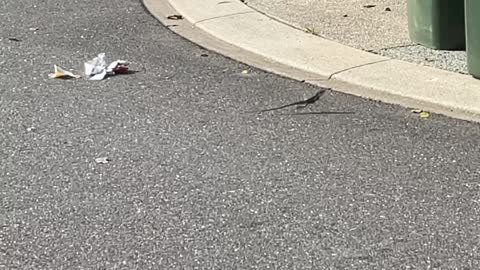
337	56
381	28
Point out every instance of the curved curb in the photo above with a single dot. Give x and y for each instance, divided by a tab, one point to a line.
235	30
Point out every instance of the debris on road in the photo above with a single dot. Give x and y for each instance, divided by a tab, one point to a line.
175	17
422	113
97	68
102	160
60	73
369	6
310	30
246	71
14	39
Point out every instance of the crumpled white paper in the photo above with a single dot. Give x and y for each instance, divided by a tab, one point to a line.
97	68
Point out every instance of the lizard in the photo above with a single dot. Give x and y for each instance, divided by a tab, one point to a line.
301	104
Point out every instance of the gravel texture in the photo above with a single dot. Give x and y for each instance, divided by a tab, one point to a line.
346	21
164	169
455	61
373	29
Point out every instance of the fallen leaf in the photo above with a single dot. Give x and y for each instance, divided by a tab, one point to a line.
175	17
310	30
424	114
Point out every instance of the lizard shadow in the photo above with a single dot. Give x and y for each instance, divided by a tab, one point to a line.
321	113
128	72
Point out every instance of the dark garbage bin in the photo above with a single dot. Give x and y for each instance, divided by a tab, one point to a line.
472	21
437	24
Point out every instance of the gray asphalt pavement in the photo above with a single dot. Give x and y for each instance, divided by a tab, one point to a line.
194	181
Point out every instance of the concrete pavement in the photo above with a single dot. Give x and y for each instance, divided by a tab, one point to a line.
354	23
380	27
327	63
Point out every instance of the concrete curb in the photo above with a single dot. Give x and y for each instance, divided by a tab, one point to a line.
235	30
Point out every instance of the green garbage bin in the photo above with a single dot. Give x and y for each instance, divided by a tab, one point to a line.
437	24
472	20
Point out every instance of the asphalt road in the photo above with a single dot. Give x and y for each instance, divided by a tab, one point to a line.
196	182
